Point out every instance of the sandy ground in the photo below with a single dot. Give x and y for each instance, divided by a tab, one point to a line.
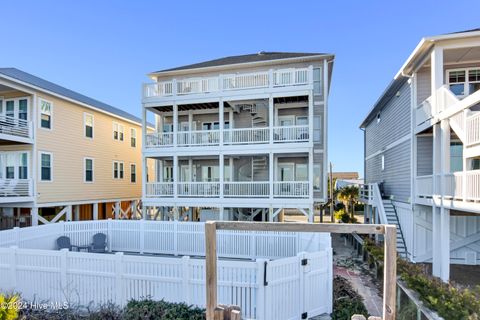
302	218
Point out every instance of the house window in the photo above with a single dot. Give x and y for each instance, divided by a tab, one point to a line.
118	170
88	123
317	129
88	170
167	174
45	114
317	81
46	167
133	137
456	156
118	131
23	166
23	109
383	162
301	172
133	173
10	108
463	82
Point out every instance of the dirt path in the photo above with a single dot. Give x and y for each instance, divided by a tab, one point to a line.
348	265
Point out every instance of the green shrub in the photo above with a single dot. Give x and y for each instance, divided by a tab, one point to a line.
9	307
150	310
346	301
343	216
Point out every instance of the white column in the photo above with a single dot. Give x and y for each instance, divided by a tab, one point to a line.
68	213
445	244
95	211
221	120
34	214
175	176
310	175
221	213
76	213
271	120
436	75
190	169
221	169
117	210
175	123
436	242
271	169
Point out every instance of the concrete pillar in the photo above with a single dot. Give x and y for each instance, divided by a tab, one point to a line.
76	213
95	211
34	215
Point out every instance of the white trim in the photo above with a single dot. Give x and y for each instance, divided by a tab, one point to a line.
390	146
136	175
39	101
85	115
40	166
85	170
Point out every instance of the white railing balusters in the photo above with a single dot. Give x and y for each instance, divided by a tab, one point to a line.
290	133
291	189
198	189
257	189
15	127
473	130
15	188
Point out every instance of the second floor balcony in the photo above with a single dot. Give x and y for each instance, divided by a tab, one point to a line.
281	134
458	186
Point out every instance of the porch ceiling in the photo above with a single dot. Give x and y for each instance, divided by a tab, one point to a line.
462	55
187	107
290	99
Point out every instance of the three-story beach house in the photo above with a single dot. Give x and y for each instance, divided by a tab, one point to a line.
422	153
238	138
64	156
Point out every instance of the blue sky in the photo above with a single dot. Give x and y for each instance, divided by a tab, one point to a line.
104	48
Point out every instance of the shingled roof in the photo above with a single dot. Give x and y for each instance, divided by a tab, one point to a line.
55	88
246	58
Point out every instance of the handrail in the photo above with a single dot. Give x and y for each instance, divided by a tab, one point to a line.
378	202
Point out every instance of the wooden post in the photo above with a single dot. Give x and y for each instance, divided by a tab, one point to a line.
211	268
389	272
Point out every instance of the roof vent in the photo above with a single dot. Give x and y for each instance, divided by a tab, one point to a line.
261	53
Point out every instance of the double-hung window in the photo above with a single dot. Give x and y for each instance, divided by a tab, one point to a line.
317	81
118	170
133	173
45	166
118	131
88	124
88	170
23	166
45	114
133	137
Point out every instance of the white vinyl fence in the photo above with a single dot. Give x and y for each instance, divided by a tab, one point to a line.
298	281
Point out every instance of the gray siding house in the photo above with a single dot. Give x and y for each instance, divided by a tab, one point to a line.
422	153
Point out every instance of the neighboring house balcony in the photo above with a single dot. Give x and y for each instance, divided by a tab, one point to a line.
15	182
227	84
15	115
463	186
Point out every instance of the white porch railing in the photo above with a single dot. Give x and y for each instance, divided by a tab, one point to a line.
15	188
246	135
200	85
200	137
229	82
424	186
290	77
159	139
198	189
472	183
155	189
473	129
445	98
245	81
453	185
424	111
249	189
290	133
291	189
15	127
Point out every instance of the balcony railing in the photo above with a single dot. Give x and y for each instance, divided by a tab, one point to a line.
228	82
424	111
231	189
239	189
473	129
15	188
246	135
15	127
290	134
196	138
291	189
198	189
457	186
230	137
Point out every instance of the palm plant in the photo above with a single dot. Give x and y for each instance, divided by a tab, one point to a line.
349	196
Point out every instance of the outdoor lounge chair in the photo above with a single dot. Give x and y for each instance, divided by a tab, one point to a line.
63	242
99	244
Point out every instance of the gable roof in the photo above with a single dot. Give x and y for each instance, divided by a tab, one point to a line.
246	58
40	83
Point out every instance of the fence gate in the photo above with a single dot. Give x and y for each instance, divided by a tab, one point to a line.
299	287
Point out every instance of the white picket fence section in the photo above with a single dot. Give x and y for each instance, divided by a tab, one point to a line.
294	284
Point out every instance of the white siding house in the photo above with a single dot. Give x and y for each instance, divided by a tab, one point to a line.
238	138
422	153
